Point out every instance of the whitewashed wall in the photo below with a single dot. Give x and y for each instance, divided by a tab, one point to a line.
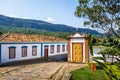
78	40
110	58
5	52
55	49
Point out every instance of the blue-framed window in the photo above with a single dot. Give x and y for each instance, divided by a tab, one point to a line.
12	52
58	48
52	49
24	51
63	48
34	50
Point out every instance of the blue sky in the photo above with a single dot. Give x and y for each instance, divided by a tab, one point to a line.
54	11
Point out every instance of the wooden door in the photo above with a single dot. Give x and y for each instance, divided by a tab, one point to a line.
45	51
77	52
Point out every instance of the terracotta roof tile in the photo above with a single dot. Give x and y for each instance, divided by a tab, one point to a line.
31	38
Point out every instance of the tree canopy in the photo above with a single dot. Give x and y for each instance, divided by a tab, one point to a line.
104	14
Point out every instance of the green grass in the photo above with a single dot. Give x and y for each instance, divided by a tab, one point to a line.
86	74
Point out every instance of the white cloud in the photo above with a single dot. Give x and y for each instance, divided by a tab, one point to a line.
50	19
25	17
10	15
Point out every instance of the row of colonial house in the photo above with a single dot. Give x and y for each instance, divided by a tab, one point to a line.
76	49
15	51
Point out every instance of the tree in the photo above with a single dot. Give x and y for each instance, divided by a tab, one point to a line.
91	44
104	14
111	69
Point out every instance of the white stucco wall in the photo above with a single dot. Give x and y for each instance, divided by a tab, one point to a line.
5	52
55	49
18	55
77	40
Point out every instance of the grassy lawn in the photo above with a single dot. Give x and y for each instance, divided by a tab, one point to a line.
86	74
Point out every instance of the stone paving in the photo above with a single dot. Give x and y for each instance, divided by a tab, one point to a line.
38	71
64	72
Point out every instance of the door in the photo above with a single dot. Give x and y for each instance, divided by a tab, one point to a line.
77	52
45	51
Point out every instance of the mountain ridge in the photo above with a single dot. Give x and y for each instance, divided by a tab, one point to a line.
10	22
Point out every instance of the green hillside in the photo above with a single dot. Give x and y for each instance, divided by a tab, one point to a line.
28	26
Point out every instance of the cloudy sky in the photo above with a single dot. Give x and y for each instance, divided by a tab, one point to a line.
53	11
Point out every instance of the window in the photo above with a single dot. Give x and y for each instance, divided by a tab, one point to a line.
24	51
52	49
63	48
34	50
12	52
58	48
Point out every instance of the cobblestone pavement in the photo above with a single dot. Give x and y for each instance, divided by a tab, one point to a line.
38	71
64	72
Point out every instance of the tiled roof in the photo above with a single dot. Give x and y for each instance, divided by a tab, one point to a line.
30	38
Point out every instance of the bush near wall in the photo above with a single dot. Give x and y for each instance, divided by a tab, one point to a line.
115	70
111	70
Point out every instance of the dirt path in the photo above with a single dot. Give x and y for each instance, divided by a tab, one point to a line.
39	71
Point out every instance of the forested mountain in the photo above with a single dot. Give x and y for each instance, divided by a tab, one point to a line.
36	26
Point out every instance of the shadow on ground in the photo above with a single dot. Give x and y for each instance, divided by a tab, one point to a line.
56	58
